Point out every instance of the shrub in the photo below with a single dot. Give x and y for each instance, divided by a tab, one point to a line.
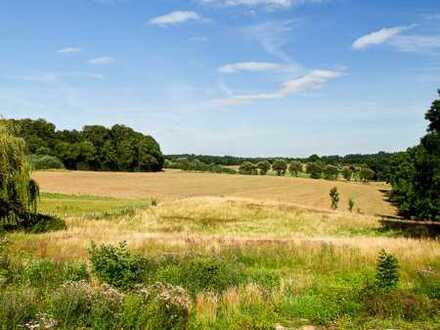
428	283
387	271
117	266
351	204
280	167
45	162
334	196
396	304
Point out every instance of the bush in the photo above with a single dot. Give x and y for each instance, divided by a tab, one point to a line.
45	162
34	223
396	304
117	266
334	196
428	283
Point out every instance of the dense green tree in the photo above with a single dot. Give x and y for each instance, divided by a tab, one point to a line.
119	148
247	168
331	172
279	167
18	192
366	174
347	173
416	175
295	168
315	170
263	167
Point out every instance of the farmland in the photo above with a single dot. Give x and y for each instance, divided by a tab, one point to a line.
286	259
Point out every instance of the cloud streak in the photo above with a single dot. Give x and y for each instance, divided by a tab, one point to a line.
104	60
312	80
69	50
274	4
377	37
254	67
175	17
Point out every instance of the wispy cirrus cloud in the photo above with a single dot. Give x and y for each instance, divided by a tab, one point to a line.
273	4
272	37
396	38
175	17
312	80
69	50
255	67
51	77
377	37
104	60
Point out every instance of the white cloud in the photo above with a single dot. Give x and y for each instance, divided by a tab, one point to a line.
52	77
262	3
69	50
252	67
312	80
272	37
416	43
102	60
377	37
175	17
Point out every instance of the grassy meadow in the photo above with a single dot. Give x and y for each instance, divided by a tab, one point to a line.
251	253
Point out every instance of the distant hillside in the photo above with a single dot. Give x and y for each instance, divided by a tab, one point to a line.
97	148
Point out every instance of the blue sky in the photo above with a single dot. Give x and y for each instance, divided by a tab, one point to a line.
240	77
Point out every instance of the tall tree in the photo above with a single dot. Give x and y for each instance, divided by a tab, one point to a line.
280	167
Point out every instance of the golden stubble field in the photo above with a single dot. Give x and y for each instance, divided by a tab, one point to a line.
172	184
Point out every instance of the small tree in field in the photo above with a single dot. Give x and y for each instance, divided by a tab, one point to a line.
334	196
351	204
331	172
280	167
295	167
247	168
366	174
347	173
315	170
264	167
18	192
387	271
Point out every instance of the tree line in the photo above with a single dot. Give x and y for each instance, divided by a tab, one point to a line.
315	170
95	147
379	163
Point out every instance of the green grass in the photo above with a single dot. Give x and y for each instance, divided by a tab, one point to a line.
94	207
240	265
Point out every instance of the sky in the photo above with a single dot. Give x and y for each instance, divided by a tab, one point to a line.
236	77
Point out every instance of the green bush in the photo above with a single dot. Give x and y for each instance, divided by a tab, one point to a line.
396	304
199	273
45	162
428	283
117	266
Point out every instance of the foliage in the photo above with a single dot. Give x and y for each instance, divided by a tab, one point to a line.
315	170
347	172
117	266
45	162
334	196
295	167
247	168
264	167
366	174
331	172
387	271
351	204
118	148
18	192
280	167
197	165
416	175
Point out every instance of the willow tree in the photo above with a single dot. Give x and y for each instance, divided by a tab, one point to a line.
18	192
